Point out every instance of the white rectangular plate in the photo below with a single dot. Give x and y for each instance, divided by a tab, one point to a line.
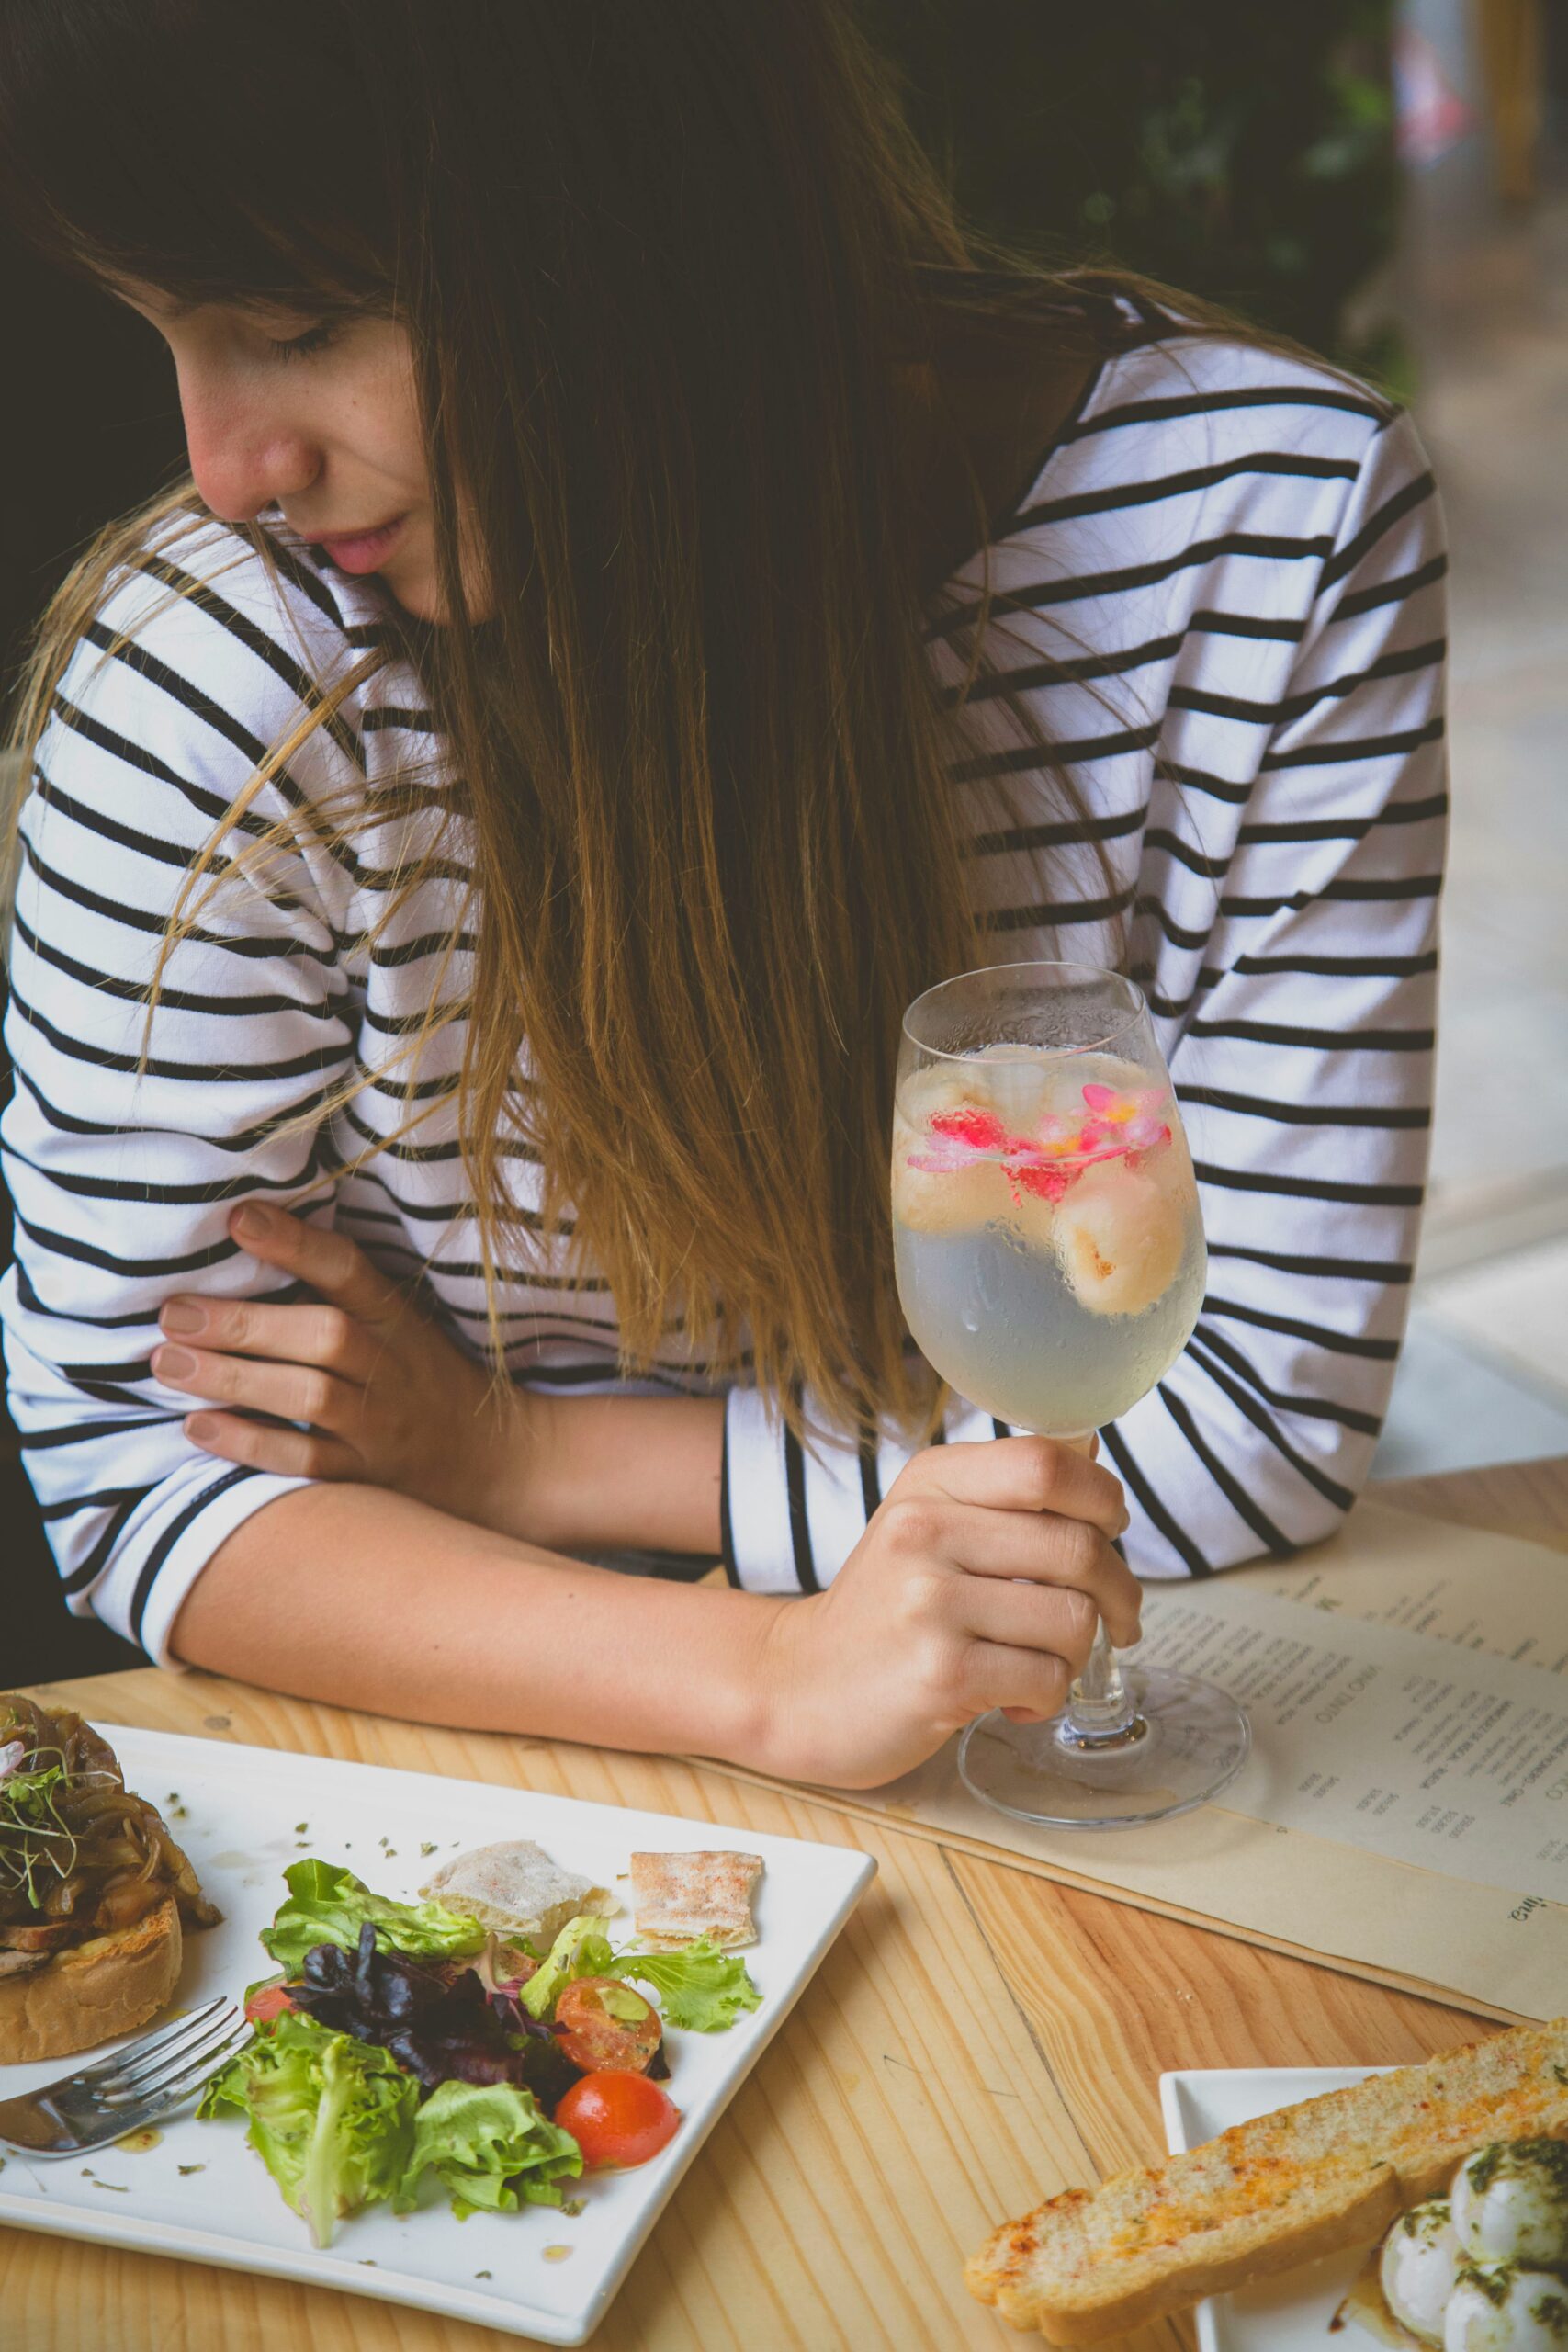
1291	2314
538	2272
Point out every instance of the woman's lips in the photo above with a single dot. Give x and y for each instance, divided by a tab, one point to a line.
362	550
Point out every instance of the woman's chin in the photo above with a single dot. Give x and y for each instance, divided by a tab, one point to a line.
420	599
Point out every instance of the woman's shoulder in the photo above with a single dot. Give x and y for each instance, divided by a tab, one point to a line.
204	653
1209	443
226	625
214	684
1183	385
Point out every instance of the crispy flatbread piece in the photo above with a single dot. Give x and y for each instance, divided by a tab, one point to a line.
677	1896
516	1889
1316	2178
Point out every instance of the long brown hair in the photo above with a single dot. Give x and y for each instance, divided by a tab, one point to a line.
667	272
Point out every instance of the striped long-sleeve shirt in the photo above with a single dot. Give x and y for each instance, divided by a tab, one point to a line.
1221	601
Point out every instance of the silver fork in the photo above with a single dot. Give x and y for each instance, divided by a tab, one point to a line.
146	2079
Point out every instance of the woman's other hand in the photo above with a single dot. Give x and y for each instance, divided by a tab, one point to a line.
980	1583
388	1399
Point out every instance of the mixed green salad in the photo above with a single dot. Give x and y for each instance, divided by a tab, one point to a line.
404	2044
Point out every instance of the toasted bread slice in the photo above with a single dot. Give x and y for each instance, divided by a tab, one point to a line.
92	1991
1308	2180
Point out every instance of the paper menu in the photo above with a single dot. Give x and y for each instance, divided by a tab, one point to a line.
1412	1746
1432	1926
1459	1584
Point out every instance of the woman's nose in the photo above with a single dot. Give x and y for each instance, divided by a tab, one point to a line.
246	451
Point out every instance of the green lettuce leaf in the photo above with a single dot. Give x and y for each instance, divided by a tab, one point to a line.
699	1987
327	1905
580	1950
490	2148
332	2118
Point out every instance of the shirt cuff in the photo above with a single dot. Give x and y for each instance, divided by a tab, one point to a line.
163	1553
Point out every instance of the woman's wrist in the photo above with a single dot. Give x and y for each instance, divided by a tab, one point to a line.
511	1481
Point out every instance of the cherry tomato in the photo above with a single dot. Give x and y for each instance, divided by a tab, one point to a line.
617	2118
266	2003
603	2025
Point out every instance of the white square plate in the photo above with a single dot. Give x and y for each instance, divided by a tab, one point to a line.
1290	2314
538	2272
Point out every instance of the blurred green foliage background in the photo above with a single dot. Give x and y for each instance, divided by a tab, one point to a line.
1243	149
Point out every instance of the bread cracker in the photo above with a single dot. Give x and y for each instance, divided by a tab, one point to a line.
678	1896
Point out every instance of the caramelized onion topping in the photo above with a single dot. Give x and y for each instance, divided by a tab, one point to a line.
77	1846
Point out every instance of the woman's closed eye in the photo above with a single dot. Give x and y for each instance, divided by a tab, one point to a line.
302	346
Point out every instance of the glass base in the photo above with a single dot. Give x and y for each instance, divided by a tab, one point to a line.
1189	1741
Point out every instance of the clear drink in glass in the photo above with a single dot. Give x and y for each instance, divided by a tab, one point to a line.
1050	1261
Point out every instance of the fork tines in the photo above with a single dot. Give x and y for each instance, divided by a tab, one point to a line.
183	2070
172	2060
146	2068
136	2053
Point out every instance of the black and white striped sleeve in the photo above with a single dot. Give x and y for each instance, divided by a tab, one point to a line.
1303	1065
124	1169
1306	1073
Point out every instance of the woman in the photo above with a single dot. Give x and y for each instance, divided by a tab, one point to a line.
647	605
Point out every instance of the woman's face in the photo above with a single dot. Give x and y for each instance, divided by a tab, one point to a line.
322	420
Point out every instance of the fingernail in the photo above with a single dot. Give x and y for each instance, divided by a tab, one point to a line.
179	1315
201	1428
253	1219
174	1363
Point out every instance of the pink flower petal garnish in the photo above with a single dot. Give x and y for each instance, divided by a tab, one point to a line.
942	1159
1112	1126
977	1130
1045	1184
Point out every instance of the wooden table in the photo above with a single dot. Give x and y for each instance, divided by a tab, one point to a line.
976	2037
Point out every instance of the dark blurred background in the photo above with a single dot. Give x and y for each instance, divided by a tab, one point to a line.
1385	180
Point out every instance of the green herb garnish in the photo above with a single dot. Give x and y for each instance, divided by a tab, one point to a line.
34	1836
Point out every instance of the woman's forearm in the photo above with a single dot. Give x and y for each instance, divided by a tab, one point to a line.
605	1474
364	1598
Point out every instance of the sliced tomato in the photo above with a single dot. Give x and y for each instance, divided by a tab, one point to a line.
263	2003
603	2025
617	2118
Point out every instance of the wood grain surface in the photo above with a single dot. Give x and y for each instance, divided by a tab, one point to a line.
977	2038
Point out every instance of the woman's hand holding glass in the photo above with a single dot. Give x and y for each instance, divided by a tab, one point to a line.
387	1398
978	1583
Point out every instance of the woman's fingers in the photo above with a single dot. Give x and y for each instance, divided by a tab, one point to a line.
273	1446
294	1392
1028	1685
1034	1617
304	1334
329	1262
1022	1474
1036	1546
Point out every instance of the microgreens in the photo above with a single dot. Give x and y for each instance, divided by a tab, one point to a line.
33	1836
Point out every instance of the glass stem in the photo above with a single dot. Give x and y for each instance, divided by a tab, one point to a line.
1099	1708
1098	1705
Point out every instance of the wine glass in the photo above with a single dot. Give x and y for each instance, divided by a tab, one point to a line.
1051	1265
